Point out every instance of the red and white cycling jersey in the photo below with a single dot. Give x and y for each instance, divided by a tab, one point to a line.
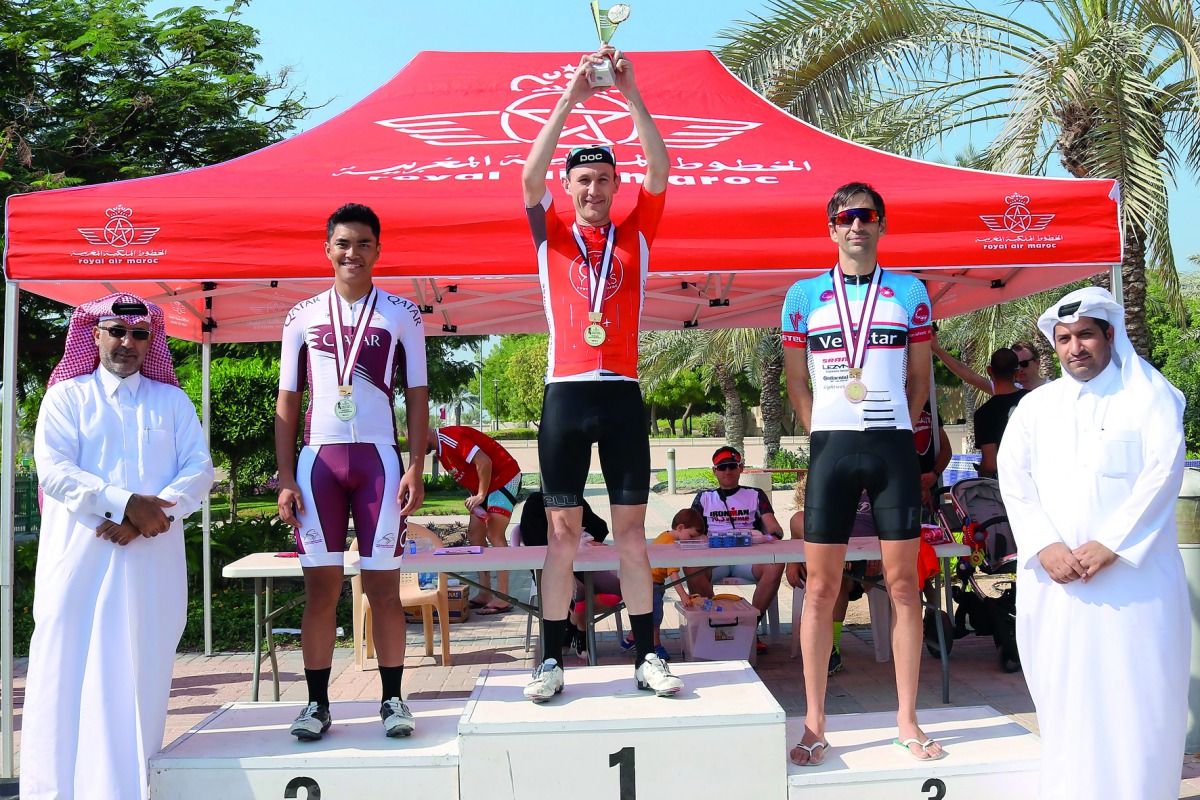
564	279
393	345
457	446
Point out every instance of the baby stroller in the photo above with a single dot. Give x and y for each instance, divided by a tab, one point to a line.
977	509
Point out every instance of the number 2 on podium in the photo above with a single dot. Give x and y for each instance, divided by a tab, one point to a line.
627	782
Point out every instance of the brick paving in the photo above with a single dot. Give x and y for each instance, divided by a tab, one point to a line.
203	684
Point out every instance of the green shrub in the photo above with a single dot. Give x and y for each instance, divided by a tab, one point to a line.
710	424
22	621
233	619
232	540
514	433
442	483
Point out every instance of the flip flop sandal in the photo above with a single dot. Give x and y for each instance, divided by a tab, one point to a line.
808	748
476	603
924	749
491	611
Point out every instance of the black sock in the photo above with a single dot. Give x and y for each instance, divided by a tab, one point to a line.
390	677
642	627
555	638
318	685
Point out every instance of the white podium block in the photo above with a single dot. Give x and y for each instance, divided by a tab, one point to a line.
603	739
245	751
989	757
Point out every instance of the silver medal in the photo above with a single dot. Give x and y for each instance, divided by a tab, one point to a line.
345	409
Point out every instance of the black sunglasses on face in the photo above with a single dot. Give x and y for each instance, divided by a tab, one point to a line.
846	218
117	332
1025	363
725	467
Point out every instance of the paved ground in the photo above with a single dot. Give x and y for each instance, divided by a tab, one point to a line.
203	684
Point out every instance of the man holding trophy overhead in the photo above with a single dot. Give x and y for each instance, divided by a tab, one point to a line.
593	274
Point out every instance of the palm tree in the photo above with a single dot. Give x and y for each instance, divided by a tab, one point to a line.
1110	87
723	355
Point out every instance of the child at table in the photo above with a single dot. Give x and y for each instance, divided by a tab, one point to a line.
687	524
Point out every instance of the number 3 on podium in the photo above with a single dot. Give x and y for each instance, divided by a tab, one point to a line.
627	782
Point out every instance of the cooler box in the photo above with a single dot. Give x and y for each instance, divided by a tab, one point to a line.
725	635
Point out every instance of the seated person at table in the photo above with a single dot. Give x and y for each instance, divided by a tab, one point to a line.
686	524
856	571
734	507
534	526
991	418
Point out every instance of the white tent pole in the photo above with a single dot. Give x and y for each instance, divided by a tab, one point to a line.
1118	284
8	443
206	519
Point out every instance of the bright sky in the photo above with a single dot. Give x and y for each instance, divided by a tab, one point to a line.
342	52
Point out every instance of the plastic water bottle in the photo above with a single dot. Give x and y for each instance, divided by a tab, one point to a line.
412	546
708	604
479	511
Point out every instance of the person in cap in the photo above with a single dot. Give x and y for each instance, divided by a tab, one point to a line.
733	507
122	460
1090	468
856	356
354	348
592	272
992	417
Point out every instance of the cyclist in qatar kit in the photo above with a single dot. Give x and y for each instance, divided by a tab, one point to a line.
592	273
861	335
351	347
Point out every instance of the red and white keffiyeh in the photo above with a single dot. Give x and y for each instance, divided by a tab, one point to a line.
82	358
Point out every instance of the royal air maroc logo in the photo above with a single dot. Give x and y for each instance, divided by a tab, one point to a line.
1017	218
604	119
120	230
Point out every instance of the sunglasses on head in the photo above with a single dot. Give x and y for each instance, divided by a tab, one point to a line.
118	332
725	467
846	218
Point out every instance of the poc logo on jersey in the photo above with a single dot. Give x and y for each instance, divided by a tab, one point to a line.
921	315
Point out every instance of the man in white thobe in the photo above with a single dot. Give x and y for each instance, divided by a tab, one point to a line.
1090	467
121	459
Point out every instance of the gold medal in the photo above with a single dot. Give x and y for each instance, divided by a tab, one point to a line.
855	391
594	335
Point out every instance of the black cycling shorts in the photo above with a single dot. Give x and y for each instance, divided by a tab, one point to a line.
844	463
610	413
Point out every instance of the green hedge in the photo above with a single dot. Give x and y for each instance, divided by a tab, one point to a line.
514	433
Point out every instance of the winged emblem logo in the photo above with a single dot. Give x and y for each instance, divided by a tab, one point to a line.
120	231
1017	218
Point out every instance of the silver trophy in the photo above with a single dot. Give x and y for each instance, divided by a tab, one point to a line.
607	21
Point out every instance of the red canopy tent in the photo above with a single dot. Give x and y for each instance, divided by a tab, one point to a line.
438	153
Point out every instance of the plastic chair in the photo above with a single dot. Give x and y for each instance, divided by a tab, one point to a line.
880	607
514	540
411	596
